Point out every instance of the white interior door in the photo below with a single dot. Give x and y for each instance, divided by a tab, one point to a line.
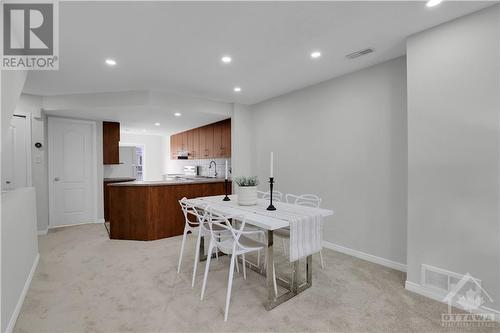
72	171
16	148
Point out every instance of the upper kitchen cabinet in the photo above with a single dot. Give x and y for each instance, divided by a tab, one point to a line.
184	145
210	141
196	153
217	147
190	143
175	145
226	138
110	141
222	138
207	151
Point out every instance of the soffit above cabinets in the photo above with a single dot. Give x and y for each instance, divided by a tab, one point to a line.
138	111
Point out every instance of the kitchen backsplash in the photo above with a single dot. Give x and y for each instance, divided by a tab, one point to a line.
177	166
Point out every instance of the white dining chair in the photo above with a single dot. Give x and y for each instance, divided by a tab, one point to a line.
309	200
193	226
234	243
277	195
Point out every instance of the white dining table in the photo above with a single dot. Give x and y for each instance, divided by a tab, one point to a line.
269	221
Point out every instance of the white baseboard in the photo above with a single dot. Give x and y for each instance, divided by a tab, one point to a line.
43	232
365	256
27	284
440	296
427	292
98	221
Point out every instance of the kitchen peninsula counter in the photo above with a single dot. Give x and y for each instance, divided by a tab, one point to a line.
171	182
149	210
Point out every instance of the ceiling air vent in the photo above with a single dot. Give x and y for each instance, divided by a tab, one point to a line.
360	53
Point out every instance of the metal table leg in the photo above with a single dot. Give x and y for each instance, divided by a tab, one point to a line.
271	299
293	287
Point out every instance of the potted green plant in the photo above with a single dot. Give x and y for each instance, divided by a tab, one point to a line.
247	190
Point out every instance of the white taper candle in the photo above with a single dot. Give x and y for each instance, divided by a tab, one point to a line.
226	169
272	164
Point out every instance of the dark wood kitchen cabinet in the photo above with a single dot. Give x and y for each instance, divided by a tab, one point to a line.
149	212
222	139
208	146
110	142
106	182
217	147
226	138
196	154
190	143
209	141
175	145
184	145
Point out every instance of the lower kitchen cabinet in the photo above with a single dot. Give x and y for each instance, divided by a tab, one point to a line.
149	212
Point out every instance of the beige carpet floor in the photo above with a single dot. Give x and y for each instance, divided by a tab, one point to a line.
88	283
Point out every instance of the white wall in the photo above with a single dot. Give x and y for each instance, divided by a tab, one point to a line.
19	251
453	154
39	170
31	105
242	140
12	83
156	153
345	140
100	173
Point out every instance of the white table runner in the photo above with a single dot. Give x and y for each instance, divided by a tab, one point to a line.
305	222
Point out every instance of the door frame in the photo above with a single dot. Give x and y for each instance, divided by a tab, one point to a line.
28	136
93	124
29	166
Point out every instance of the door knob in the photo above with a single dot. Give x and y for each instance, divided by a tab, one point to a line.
7	182
56	179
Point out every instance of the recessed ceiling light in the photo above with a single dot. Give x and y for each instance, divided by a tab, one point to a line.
315	54
157	124
237	89
177	114
143	131
110	62
226	59
432	3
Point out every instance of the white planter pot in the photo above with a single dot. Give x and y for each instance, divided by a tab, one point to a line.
247	195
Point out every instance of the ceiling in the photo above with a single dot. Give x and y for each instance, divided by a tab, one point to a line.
173	46
176	48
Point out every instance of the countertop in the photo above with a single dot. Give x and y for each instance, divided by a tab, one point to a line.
118	179
173	181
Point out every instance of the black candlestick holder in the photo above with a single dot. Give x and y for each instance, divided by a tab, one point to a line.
226	198
271	182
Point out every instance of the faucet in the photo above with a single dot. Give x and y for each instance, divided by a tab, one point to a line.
215	167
